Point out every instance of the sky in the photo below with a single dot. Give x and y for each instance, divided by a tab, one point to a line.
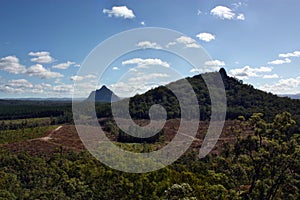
46	46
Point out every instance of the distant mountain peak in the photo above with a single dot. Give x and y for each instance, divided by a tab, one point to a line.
104	88
103	94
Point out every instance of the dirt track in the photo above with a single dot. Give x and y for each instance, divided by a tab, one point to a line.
63	138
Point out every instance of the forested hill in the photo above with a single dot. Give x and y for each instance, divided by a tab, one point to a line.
242	99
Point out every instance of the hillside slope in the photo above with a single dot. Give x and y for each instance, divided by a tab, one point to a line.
242	99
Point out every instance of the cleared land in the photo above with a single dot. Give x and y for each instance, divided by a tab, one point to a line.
64	138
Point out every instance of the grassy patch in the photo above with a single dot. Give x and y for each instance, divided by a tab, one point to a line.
9	136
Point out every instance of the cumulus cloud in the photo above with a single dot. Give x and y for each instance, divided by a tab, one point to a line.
11	90
288	55
240	16
12	65
215	63
143	23
146	62
20	86
207	37
209	66
138	83
148	44
238	5
39	71
270	76
64	89
143	75
65	65
280	62
41	57
81	78
119	11
116	68
185	40
171	44
147	77
196	70
188	42
284	86
247	71
76	78
20	83
223	12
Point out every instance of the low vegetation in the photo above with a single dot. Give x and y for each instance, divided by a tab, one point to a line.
263	165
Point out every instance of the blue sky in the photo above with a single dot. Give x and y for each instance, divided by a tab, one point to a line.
44	43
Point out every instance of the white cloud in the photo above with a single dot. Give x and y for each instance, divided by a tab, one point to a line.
209	66
22	86
90	76
270	76
287	55
280	62
41	57
207	37
143	75
146	62
11	65
116	68
43	88
76	78
81	78
39	71
222	12
63	65
143	23
237	5
199	12
192	45
11	90
147	77
19	83
195	70
64	89
284	86
57	81
247	71
139	83
119	11
186	41
240	16
214	63
39	53
148	44
171	44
